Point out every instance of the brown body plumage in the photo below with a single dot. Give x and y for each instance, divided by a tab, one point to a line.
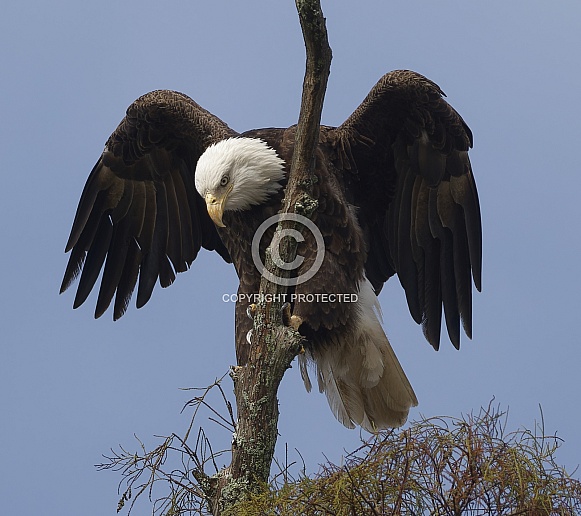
395	195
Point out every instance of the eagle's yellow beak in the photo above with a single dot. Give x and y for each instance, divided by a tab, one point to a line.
215	207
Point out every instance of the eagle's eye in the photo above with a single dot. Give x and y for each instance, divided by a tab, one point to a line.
224	180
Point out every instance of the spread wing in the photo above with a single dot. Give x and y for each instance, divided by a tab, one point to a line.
140	214
407	151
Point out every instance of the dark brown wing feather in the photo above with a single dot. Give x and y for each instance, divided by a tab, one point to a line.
140	214
405	151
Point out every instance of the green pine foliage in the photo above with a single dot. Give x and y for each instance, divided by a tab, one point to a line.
436	466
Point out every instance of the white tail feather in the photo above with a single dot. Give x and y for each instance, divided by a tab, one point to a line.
360	374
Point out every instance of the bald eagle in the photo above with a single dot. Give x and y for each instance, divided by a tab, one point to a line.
395	195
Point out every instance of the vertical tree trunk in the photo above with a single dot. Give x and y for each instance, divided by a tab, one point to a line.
274	346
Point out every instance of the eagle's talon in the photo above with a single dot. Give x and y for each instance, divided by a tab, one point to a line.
251	311
286	313
249	337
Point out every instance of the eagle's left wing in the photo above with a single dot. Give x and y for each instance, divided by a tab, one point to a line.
405	155
140	217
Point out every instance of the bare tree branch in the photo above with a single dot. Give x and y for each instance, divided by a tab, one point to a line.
274	346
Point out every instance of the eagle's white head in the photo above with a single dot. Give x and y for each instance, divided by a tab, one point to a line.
237	173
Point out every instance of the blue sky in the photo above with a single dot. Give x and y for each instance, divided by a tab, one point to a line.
72	387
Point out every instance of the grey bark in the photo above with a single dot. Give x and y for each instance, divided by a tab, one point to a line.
274	345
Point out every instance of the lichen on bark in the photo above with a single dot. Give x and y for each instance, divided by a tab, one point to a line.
273	345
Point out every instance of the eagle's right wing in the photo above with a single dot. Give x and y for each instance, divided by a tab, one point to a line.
140	213
406	154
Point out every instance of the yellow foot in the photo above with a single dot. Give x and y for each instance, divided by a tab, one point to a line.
251	311
295	322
